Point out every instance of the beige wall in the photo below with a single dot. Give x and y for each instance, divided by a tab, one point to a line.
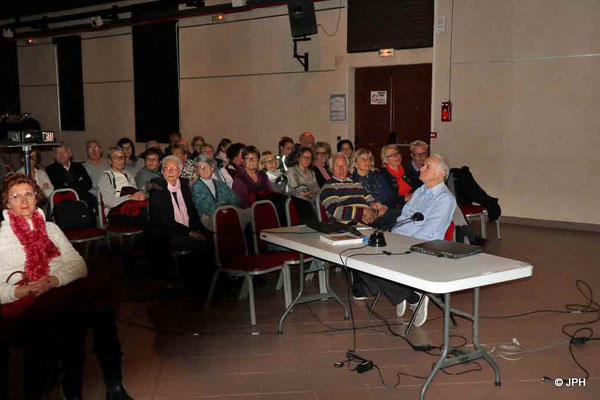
524	90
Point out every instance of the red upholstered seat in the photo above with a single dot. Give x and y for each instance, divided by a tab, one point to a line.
84	233
469	209
449	235
123	229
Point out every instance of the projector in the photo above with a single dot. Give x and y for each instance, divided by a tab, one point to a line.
31	136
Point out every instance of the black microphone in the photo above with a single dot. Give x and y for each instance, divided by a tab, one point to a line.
377	239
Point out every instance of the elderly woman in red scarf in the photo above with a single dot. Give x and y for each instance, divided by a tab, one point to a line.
393	172
46	303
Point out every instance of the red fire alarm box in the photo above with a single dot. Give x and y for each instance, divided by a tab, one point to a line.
446	111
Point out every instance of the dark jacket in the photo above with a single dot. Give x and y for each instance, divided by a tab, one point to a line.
162	215
75	178
412	176
378	187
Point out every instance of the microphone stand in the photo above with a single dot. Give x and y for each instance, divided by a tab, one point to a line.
377	238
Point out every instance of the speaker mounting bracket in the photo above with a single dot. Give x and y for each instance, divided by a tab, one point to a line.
303	59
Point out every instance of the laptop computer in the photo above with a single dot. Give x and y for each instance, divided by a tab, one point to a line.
309	218
442	248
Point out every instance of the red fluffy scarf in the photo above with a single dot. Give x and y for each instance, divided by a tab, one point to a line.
39	249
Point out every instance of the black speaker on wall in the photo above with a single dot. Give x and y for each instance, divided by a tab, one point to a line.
302	17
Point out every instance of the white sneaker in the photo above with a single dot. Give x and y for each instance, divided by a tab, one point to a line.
401	308
422	313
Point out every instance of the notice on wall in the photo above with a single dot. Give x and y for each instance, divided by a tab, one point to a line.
337	107
378	97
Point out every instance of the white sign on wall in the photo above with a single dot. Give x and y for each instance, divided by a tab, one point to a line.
378	97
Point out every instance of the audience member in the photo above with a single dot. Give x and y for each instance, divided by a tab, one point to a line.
173	138
179	150
209	193
251	184
345	199
306	139
197	143
152	144
42	279
221	156
174	223
393	172
64	173
132	162
234	155
286	145
95	165
322	152
418	152
113	181
302	179
437	204
37	174
345	146
151	169
376	186
207	150
278	178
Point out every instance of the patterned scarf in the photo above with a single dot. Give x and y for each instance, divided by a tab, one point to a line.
39	249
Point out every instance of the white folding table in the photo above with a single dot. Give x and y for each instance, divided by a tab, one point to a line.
425	273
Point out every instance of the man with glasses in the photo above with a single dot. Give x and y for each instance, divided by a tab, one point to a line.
419	151
95	165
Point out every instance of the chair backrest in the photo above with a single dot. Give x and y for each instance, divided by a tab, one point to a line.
264	216
228	234
321	212
291	213
60	195
102	219
449	235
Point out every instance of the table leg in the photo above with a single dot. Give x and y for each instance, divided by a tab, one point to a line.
445	350
476	344
300	290
335	296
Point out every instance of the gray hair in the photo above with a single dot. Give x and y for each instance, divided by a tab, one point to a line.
66	146
205	159
112	150
442	164
360	153
418	143
174	159
338	155
386	148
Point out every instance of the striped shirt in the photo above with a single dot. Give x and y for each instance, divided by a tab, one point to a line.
345	200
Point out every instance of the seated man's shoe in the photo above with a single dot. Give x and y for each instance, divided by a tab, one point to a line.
401	308
359	291
422	312
117	392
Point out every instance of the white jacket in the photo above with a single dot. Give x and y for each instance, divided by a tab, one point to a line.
67	267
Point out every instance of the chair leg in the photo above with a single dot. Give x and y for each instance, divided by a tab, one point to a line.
251	300
287	285
211	291
243	291
322	281
374	303
498	228
483	226
86	250
280	280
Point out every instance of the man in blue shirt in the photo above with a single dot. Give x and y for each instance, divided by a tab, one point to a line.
437	204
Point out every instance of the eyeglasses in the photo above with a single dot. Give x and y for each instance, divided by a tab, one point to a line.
251	158
270	161
152	159
17	197
118	157
322	153
94	148
393	155
419	155
306	157
171	169
203	167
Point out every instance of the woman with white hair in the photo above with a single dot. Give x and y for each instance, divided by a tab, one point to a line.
116	185
364	172
209	193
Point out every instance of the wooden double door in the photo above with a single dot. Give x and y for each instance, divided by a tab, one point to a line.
392	105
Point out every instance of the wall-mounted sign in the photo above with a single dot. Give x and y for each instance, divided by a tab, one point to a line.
337	107
378	97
